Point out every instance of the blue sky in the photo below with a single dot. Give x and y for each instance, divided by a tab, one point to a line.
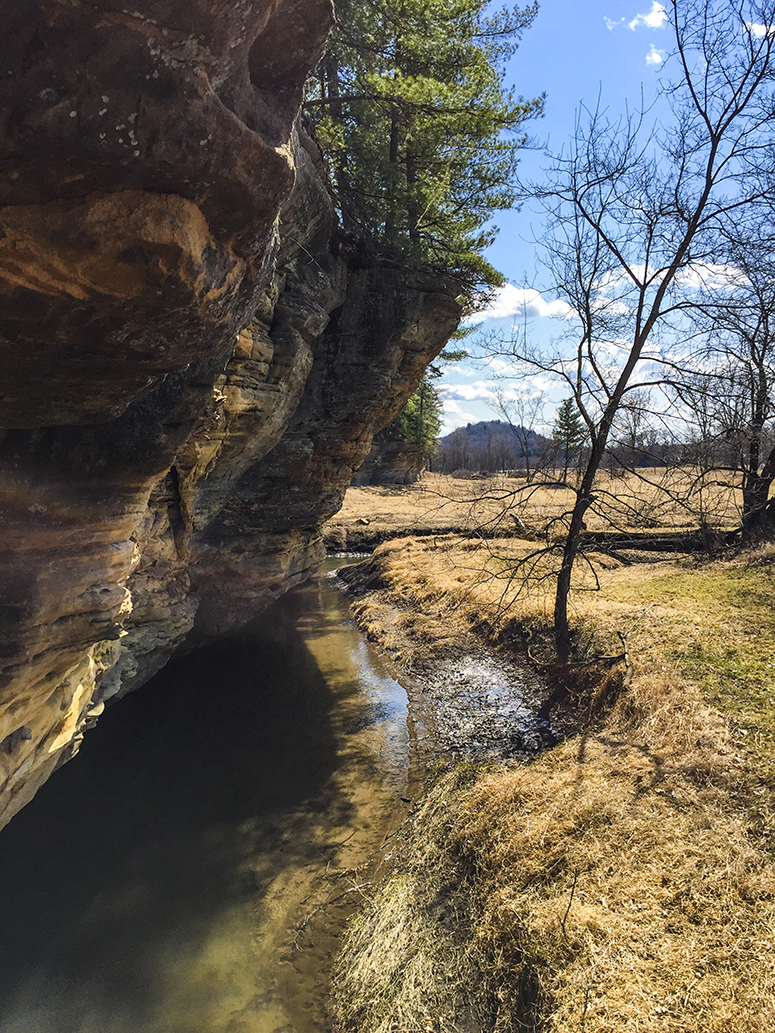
574	52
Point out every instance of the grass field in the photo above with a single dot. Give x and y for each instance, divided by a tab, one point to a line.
654	499
624	879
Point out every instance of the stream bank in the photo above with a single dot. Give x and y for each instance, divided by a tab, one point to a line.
624	878
472	697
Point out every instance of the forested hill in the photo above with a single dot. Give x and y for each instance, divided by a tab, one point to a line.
489	446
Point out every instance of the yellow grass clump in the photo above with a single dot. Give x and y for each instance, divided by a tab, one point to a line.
636	886
604	887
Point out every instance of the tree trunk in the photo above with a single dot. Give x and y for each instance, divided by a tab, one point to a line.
331	72
758	517
584	499
412	206
391	226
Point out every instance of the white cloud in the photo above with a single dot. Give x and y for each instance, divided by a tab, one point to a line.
505	370
481	391
611	24
502	367
711	275
653	19
760	30
524	302
455	417
654	56
610	306
616	349
528	385
465	369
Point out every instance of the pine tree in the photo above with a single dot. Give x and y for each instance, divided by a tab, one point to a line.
420	420
419	131
568	434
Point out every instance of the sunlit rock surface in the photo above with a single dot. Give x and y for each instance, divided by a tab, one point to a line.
192	361
144	150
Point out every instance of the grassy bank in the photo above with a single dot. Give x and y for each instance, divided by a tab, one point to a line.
624	879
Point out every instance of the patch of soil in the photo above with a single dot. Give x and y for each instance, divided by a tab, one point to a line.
481	704
467	699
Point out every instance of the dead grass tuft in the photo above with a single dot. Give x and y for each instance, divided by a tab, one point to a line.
647	902
414	960
602	887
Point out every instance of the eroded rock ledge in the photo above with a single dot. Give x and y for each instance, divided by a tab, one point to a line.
193	359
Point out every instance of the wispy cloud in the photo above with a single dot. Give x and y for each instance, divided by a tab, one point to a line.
523	302
654	56
611	23
525	387
712	276
653	19
455	416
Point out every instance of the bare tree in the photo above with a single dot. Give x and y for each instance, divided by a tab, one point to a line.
523	413
732	393
634	213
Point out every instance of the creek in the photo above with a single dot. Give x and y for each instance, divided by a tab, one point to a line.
192	869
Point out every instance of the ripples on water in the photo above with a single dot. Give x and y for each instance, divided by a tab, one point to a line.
190	870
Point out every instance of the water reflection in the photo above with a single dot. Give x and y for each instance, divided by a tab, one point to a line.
188	872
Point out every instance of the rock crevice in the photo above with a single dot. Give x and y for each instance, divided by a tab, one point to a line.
193	360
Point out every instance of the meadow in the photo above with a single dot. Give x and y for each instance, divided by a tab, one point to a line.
624	879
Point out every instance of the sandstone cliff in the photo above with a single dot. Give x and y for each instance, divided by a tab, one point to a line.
392	460
193	359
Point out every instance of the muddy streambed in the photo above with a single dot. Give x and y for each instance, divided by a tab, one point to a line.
192	869
479	704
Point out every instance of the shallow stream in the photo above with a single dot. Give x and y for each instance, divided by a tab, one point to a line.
191	870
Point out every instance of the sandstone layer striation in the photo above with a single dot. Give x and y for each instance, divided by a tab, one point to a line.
392	460
193	359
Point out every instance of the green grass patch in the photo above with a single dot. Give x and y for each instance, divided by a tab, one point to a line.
724	641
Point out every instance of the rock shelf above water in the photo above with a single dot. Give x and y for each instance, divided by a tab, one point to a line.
194	359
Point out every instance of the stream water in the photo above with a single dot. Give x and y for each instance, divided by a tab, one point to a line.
191	870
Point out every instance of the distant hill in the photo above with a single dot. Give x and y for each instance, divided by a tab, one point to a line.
488	447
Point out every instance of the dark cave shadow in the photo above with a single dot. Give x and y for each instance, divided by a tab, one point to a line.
146	831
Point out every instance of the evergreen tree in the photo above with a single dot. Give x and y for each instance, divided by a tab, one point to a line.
420	420
419	131
568	434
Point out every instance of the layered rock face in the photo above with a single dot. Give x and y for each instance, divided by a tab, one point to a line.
392	460
192	363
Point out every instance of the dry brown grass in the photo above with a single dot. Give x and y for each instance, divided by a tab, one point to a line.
625	879
578	893
653	499
671	921
709	624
